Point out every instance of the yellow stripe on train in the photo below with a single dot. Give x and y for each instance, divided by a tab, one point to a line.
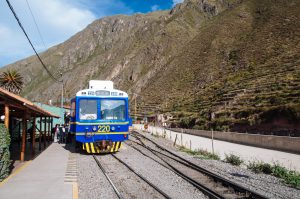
97	123
112	147
103	133
92	148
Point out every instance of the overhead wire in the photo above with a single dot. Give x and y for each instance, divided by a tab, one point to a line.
21	26
37	27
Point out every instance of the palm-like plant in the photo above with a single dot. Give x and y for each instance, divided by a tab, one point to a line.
11	81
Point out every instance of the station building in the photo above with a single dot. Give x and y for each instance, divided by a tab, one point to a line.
61	112
29	125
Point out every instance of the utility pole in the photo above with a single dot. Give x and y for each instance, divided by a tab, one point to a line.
135	108
62	95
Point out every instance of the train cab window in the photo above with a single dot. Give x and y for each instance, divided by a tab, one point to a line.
113	109
88	109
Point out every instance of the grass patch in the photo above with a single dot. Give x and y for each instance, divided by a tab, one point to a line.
203	154
289	176
233	159
155	135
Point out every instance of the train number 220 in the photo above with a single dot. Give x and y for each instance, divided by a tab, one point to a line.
103	129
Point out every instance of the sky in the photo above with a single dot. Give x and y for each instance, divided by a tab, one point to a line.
58	20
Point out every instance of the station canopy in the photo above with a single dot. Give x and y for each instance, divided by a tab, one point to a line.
19	106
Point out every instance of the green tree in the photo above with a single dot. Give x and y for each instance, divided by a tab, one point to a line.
4	152
12	81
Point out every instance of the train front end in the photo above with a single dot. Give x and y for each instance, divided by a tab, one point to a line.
100	118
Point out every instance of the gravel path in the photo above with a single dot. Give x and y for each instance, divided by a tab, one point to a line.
267	185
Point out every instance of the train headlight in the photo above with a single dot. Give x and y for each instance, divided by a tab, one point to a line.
94	128
113	128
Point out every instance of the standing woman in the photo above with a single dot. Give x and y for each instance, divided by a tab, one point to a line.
56	130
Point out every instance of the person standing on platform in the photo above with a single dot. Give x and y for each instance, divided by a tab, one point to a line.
56	132
67	134
67	118
62	132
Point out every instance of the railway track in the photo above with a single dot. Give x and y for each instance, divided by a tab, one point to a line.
108	178
211	184
133	171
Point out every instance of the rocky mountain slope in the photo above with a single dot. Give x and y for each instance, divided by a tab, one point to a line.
223	64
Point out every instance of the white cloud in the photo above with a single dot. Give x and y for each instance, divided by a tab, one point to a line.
154	8
177	1
63	16
11	45
57	20
4	31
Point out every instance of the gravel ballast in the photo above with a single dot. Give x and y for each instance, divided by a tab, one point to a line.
267	185
166	180
93	184
129	184
91	181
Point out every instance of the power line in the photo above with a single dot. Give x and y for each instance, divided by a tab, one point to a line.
36	24
21	26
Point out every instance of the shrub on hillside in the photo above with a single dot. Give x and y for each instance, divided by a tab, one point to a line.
4	152
187	122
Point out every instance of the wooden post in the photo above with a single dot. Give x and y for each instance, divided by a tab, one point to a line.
19	141
6	120
212	141
175	140
51	122
49	130
135	116
33	136
40	136
45	130
24	127
181	137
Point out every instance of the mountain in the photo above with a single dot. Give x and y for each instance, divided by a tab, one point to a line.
222	64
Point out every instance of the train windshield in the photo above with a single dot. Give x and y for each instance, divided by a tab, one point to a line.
113	109
88	109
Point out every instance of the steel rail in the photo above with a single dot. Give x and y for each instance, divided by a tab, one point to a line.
107	177
237	187
196	184
143	178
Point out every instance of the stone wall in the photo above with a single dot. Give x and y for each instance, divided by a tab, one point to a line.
281	143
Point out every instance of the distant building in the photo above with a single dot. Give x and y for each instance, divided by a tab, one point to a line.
54	110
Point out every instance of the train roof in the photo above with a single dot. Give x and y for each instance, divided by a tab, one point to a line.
104	93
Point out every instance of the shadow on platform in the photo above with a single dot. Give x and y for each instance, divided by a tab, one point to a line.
30	154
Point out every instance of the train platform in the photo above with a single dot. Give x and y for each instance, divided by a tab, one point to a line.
44	177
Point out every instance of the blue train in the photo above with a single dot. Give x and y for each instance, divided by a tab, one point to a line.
100	117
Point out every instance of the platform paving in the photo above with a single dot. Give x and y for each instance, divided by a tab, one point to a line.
41	178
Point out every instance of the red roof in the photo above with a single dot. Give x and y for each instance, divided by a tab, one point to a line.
24	104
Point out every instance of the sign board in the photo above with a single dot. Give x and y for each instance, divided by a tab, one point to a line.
100	84
146	126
